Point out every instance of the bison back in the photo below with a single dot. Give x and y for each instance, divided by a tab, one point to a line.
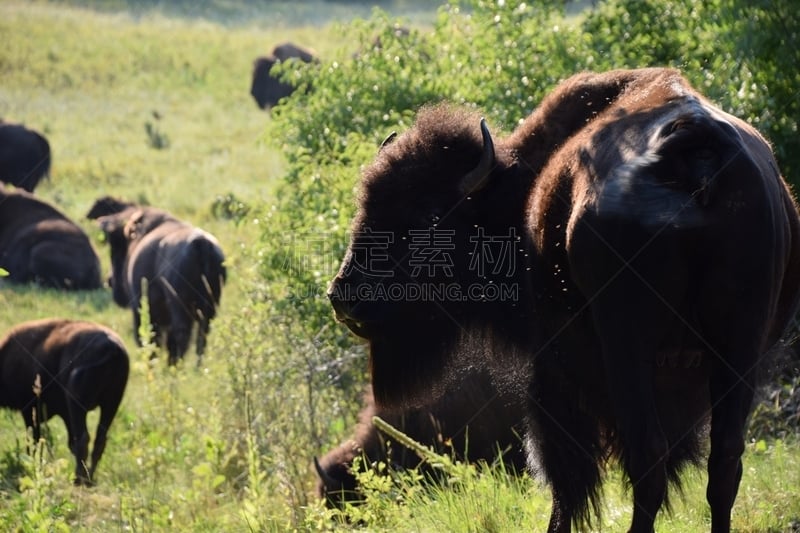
24	156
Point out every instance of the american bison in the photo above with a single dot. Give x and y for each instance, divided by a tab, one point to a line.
183	267
652	260
472	421
266	88
65	367
40	244
24	156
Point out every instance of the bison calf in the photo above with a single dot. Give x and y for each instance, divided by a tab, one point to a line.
182	266
24	156
473	421
66	368
39	243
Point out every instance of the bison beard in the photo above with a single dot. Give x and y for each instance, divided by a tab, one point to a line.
472	421
659	262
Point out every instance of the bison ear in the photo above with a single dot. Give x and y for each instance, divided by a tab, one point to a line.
476	179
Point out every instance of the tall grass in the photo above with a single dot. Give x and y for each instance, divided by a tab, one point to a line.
149	101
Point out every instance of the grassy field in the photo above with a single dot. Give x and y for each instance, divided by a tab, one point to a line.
226	446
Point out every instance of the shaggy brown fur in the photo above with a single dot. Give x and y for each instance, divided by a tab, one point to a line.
267	89
472	421
66	368
40	244
656	261
182	265
24	156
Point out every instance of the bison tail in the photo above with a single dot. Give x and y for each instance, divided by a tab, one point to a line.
212	275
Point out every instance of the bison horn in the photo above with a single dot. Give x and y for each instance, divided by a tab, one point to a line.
326	478
388	140
476	178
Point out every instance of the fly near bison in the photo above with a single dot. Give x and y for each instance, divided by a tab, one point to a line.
658	262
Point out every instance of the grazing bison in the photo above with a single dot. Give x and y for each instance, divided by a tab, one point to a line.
66	368
24	156
40	244
473	421
268	89
182	265
652	261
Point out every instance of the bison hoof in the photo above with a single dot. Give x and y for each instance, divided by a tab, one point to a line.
83	481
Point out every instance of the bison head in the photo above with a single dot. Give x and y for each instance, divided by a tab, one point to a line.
114	230
434	249
107	205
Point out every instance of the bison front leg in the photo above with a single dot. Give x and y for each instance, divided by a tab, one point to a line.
565	446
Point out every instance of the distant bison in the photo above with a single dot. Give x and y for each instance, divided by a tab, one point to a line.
40	244
66	368
472	421
266	88
630	241
24	156
182	265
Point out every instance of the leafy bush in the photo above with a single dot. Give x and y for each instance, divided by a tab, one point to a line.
501	57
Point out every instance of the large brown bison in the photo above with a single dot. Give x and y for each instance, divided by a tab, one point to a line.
40	244
472	421
181	265
24	156
63	367
268	89
652	260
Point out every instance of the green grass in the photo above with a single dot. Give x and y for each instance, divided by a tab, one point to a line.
227	446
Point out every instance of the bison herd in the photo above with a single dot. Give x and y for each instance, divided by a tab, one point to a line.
64	367
652	263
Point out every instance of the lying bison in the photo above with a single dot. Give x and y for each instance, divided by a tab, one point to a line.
652	261
24	156
472	421
182	266
66	368
40	244
266	88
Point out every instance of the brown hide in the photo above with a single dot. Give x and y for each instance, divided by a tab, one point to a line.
77	366
266	88
40	244
182	265
24	156
654	257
